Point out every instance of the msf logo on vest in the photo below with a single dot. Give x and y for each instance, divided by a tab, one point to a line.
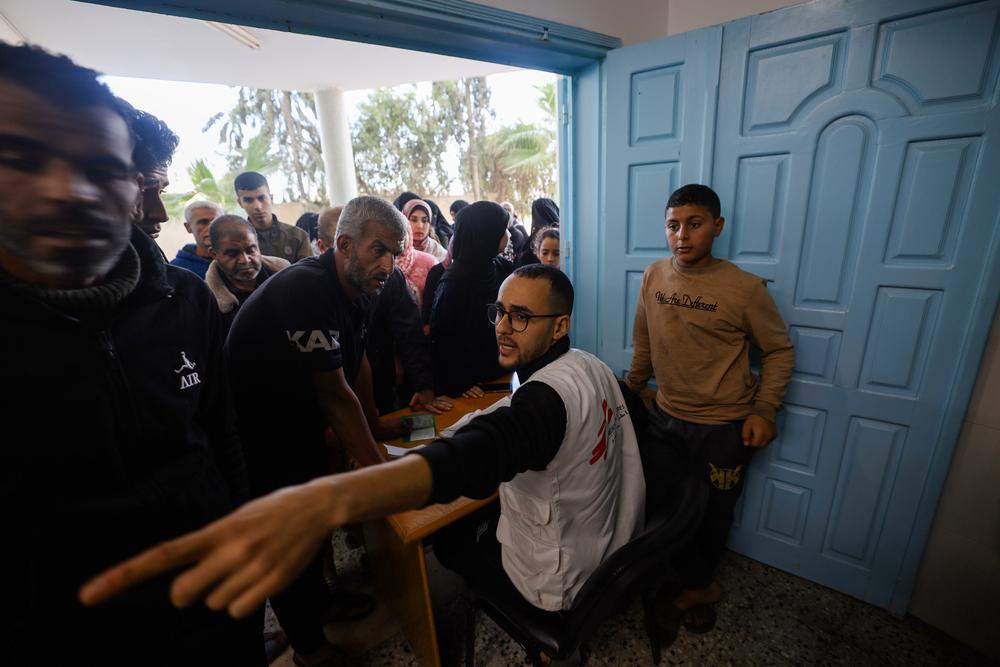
307	341
188	380
605	435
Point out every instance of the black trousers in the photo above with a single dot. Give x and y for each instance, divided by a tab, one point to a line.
301	606
469	547
672	448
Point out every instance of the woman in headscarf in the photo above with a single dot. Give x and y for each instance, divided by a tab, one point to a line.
518	234
309	223
431	285
463	341
544	213
440	224
415	265
419	214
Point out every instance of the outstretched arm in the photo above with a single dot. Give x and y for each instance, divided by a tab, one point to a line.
237	562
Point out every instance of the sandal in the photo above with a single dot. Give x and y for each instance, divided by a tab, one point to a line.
348	605
699	619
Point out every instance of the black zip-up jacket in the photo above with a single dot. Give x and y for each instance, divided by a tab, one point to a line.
117	434
394	327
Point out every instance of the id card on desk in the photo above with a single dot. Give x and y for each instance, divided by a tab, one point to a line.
421	426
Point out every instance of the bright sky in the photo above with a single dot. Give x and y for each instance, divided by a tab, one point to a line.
186	107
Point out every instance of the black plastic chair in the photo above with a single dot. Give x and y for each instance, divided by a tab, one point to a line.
640	567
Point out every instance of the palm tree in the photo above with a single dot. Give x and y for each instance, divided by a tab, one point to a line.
255	157
519	161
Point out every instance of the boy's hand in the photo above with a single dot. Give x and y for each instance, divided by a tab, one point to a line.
758	432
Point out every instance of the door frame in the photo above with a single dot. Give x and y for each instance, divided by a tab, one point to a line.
464	29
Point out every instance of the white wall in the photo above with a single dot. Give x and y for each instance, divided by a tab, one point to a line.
637	21
958	586
633	21
688	15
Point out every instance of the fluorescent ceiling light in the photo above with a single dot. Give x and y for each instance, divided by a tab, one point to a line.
10	32
239	33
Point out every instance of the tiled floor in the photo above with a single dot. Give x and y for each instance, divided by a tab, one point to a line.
768	617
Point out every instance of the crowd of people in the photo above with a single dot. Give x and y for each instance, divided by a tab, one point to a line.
227	405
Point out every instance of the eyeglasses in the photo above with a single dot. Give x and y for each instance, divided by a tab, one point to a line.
518	320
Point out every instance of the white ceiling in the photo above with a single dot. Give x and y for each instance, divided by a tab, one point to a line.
123	42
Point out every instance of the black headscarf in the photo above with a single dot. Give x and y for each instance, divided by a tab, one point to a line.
440	223
457	206
309	223
544	213
403	198
477	235
463	342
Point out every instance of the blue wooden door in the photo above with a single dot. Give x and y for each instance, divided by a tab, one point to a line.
661	108
855	150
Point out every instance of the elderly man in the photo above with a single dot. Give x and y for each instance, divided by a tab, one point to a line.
237	267
195	257
119	433
562	448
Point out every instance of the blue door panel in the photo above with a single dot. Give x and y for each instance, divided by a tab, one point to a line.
854	147
660	107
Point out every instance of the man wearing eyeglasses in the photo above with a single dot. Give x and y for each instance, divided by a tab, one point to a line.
562	449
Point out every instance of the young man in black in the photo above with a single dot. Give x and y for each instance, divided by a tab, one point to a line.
118	431
154	148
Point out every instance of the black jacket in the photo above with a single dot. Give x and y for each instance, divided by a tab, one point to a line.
118	434
394	328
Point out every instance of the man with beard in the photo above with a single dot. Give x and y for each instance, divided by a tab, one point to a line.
154	148
276	238
562	448
296	354
118	430
237	267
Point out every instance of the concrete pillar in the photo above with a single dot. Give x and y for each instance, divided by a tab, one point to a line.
335	139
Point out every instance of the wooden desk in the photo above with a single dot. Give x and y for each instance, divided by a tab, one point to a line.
396	547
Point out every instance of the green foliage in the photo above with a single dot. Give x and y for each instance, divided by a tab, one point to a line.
518	162
287	121
255	157
399	145
465	106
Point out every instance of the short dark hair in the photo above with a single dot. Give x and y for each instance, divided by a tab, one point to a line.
217	229
56	78
155	143
560	288
697	195
309	223
542	234
250	180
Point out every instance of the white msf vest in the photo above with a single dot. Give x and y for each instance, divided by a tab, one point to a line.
557	525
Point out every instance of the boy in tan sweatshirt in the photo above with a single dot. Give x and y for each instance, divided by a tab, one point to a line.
696	319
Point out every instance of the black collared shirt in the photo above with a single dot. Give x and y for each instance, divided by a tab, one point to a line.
495	447
298	323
